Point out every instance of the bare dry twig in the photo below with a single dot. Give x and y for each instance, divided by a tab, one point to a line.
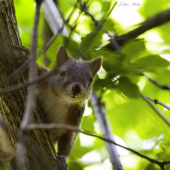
113	41
158	102
165	87
28	83
155	109
30	94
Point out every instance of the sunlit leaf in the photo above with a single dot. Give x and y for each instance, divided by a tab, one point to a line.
150	63
128	88
133	50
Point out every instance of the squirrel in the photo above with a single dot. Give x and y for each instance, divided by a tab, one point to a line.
62	98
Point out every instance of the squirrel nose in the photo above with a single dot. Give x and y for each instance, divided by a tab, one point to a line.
76	88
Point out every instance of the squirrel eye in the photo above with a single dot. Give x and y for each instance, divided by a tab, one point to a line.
62	73
91	79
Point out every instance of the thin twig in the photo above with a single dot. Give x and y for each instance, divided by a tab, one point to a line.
19	69
30	93
158	102
28	83
110	11
165	87
74	27
75	128
25	65
155	109
71	14
84	9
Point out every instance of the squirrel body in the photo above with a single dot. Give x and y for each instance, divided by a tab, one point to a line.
62	96
59	111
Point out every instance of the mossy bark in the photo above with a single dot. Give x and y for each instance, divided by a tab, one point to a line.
12	105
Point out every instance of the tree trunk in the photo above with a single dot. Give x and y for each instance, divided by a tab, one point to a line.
12	105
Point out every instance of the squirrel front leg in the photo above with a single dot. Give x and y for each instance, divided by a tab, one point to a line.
66	142
67	139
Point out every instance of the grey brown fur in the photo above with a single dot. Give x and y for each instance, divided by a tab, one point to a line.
62	98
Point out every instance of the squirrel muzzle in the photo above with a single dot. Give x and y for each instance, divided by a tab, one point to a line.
76	88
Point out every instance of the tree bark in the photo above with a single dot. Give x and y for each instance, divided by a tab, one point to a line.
12	105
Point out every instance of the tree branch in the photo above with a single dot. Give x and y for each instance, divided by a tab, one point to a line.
150	23
21	68
28	83
106	130
165	87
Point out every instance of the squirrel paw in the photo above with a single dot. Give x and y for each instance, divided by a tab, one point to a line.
62	162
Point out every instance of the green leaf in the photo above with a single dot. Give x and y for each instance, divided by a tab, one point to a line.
91	40
113	62
150	63
53	49
100	85
71	46
109	25
87	123
134	78
106	5
101	53
159	6
64	6
128	88
163	31
166	51
134	49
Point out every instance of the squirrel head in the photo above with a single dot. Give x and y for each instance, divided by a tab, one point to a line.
74	81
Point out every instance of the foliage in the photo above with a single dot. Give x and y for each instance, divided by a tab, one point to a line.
120	82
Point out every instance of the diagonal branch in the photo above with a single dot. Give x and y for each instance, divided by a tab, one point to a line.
106	130
28	83
155	109
150	23
33	70
113	41
165	87
30	93
158	102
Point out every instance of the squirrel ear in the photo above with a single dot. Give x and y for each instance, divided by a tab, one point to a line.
95	65
62	56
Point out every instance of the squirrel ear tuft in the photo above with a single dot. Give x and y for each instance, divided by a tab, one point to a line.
95	65
62	56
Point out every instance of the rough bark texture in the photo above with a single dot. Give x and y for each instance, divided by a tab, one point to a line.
12	104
